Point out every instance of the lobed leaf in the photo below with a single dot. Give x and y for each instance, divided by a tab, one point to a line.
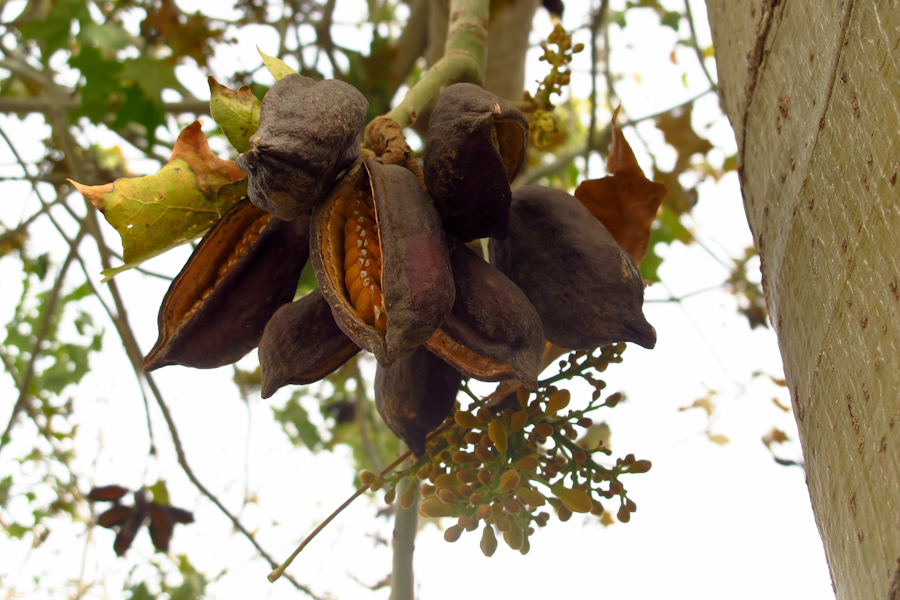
158	212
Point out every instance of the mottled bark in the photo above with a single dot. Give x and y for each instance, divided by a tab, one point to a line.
813	92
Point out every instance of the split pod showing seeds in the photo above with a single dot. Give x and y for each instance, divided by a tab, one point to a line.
302	344
493	332
415	395
584	286
245	268
308	133
380	256
476	147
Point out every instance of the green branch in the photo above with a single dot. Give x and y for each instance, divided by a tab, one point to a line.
464	60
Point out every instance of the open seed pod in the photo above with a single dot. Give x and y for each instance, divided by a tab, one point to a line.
584	286
302	344
380	256
308	133
415	395
476	147
245	268
493	332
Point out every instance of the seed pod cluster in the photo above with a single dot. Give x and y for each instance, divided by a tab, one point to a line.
241	272
308	133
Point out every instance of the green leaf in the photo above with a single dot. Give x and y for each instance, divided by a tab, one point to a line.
158	212
160	492
153	75
277	67
303	433
54	31
141	109
102	86
236	112
106	36
140	592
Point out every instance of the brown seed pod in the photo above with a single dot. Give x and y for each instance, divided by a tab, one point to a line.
415	395
245	268
586	289
380	256
493	332
302	344
308	133
476	147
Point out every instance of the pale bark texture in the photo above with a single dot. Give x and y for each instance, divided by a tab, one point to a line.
812	89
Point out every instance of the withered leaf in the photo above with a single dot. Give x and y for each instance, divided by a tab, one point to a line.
679	132
158	212
106	493
626	202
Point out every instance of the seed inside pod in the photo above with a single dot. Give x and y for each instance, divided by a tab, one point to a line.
240	249
362	260
381	259
240	273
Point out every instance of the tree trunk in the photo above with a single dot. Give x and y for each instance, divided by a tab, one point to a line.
813	92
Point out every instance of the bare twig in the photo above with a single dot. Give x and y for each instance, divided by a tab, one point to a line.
596	23
695	45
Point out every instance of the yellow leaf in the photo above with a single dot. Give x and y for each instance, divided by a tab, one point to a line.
277	67
717	438
778	403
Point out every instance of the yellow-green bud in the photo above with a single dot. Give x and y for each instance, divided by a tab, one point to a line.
574	500
467	420
558	400
452	533
434	508
497	433
488	541
509	481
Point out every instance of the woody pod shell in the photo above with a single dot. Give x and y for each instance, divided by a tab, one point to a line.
585	287
415	395
229	320
302	344
417	282
308	134
476	147
493	332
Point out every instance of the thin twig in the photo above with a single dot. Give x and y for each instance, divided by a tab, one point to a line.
596	22
695	45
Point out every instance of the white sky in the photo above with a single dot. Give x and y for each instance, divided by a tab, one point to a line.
712	522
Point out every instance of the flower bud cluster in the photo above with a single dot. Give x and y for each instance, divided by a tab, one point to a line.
544	124
498	469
